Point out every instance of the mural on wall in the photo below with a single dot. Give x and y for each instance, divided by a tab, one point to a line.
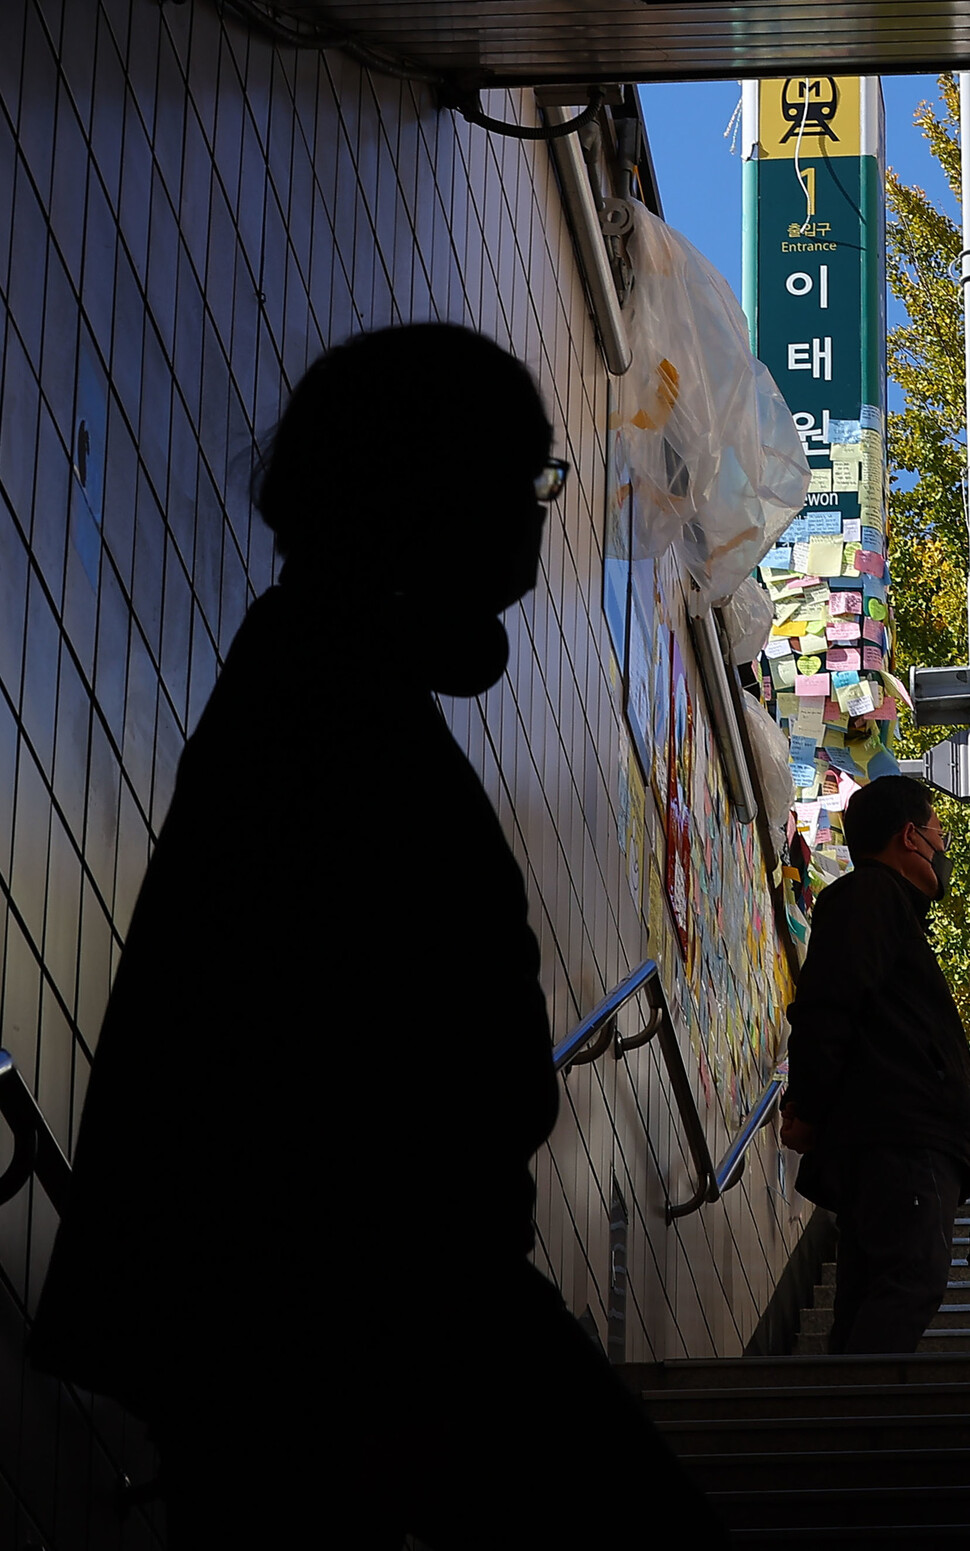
697	876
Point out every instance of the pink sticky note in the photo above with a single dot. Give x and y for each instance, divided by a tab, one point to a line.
869	562
797	583
842	630
812	683
832	711
872	657
845	603
885	712
873	630
842	657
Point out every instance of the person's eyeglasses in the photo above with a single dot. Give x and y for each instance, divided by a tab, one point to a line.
548	485
944	836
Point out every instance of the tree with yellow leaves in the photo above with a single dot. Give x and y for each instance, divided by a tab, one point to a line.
928	547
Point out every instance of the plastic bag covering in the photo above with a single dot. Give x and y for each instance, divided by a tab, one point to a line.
715	459
748	618
771	755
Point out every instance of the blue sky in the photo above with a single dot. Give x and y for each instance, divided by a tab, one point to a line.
700	181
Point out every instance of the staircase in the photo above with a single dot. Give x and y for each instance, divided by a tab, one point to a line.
816	1450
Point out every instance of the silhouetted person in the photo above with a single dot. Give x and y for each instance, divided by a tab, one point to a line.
879	1091
302	1202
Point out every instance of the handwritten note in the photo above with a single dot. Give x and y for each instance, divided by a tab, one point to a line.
825	555
814	684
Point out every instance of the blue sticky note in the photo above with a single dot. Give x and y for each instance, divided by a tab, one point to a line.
845	433
779	558
870	418
843	677
873	587
872	540
796	532
843	583
842	760
802	750
803	775
825	522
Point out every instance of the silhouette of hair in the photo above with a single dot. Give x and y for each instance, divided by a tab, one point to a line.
399	424
877	812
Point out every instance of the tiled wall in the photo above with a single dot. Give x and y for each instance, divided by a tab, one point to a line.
194	215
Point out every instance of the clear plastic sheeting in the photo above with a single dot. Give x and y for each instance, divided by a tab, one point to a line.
748	617
771	756
715	459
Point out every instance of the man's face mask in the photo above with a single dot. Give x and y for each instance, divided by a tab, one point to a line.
942	865
940	861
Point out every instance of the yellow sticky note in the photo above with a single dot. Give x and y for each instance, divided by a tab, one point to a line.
813	643
825	555
821	479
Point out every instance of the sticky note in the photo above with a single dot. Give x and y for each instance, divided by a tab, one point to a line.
870	417
777	646
810	645
778	559
824	522
845	432
796	532
789	627
810	718
871	538
842	603
872	657
873	631
812	684
852	530
842	631
887	712
821	479
841	657
799	557
843	760
788	704
825	555
803	775
845	476
896	687
834	713
782	672
809	665
861	701
802	751
844	680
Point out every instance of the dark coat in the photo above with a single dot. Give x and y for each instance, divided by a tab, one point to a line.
326	1055
878	1053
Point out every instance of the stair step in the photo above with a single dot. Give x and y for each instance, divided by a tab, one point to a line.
747	1372
788	1402
951	1315
831	1470
811	1434
905	1537
870	1506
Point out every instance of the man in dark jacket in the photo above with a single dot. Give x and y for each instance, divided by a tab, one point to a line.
302	1201
879	1094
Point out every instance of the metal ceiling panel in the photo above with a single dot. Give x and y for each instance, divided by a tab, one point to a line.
528	42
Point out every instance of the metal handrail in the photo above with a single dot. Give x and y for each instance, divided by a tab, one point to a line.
712	1181
35	1150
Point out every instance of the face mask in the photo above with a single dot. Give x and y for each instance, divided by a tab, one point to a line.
943	867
